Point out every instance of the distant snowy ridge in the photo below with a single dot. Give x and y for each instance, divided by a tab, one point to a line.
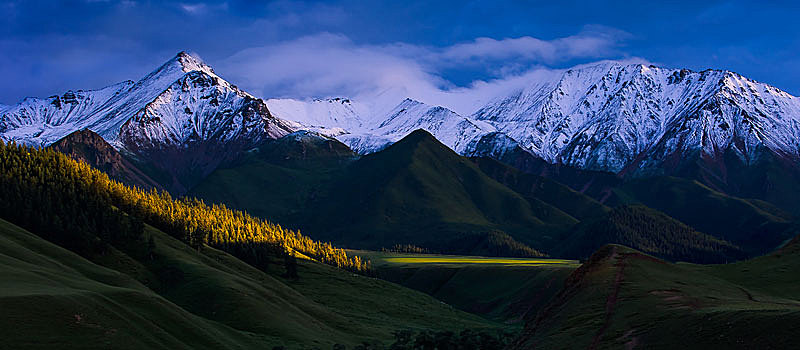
604	117
352	126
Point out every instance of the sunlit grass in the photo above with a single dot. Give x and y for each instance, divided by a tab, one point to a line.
438	259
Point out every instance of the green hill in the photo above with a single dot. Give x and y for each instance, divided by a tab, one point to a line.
54	298
622	298
418	191
279	179
541	189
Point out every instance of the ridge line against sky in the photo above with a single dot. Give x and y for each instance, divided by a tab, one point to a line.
303	49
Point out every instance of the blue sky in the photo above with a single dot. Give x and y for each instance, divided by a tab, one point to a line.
319	49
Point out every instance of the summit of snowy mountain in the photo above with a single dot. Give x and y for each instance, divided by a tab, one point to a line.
181	101
182	117
331	117
447	126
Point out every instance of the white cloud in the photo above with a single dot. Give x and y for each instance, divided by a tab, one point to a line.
193	8
326	65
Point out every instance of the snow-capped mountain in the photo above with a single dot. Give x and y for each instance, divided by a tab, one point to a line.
42	121
608	116
447	126
182	118
181	102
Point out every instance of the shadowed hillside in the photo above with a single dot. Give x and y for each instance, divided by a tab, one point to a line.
621	298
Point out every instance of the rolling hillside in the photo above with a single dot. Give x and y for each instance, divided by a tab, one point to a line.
622	298
415	192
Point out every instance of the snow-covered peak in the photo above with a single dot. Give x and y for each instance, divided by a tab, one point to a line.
181	101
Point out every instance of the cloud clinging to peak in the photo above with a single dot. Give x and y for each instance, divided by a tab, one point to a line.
327	64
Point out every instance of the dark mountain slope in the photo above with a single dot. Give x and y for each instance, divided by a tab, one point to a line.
771	177
756	226
538	188
90	148
280	178
596	184
650	231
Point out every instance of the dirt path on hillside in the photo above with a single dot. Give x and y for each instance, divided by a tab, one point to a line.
611	301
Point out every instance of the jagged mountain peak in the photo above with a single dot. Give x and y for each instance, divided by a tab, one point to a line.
184	62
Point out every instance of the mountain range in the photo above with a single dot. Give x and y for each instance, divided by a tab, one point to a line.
608	117
596	129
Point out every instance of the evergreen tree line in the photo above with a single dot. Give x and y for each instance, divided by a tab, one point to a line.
80	208
62	201
654	233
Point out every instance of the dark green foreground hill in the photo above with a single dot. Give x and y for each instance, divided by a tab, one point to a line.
622	298
209	300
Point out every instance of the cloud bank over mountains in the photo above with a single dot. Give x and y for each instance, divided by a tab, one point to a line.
332	65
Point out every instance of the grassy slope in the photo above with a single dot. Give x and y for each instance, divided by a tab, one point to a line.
625	299
538	188
498	288
279	180
316	308
50	295
206	299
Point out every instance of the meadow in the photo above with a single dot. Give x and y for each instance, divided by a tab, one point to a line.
379	259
